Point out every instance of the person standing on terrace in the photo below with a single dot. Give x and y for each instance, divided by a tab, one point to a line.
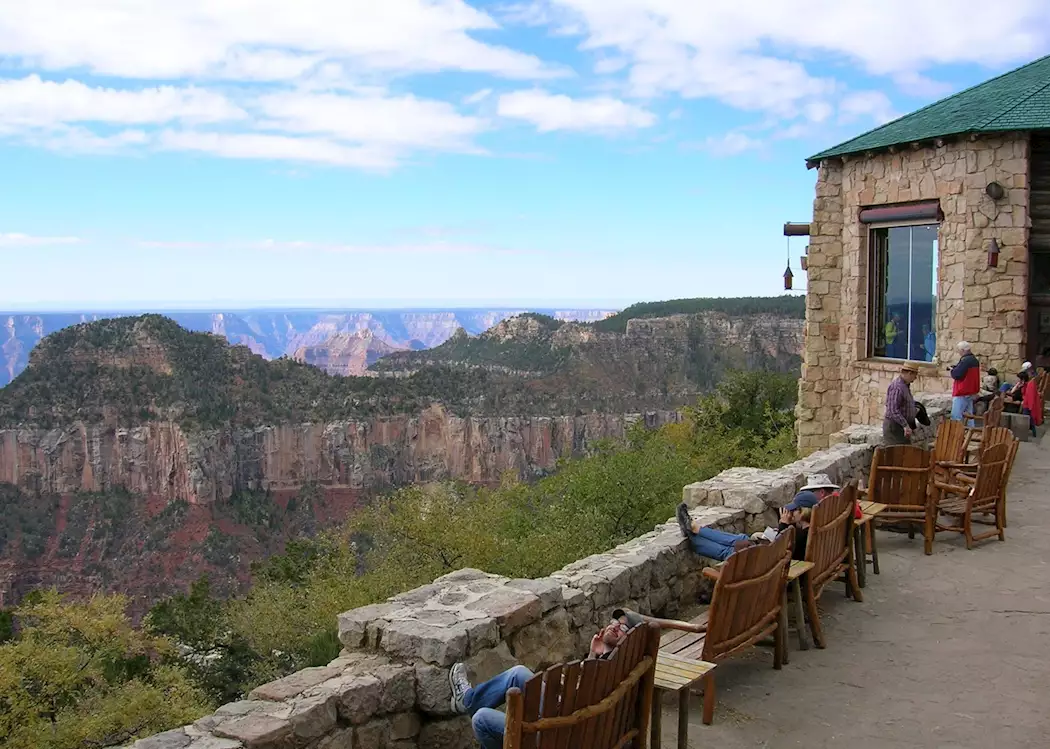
900	408
967	377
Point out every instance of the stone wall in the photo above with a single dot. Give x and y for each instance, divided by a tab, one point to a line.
840	386
389	688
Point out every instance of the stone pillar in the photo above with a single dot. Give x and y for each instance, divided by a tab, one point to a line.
819	390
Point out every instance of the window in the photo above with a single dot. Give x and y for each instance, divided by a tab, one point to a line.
902	292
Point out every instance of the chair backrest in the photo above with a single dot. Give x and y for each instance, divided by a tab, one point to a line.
830	532
995	436
1044	386
989	485
591	704
747	597
951	442
900	476
993	417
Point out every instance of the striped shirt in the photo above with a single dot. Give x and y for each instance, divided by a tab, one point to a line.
900	405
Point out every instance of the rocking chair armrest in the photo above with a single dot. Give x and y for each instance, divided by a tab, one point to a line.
952	488
965	478
712	573
675	624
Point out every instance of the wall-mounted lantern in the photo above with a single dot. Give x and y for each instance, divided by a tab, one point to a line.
993	253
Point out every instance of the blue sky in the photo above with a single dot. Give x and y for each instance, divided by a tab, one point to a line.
214	153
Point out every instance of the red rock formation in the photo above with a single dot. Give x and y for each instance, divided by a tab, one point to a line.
161	460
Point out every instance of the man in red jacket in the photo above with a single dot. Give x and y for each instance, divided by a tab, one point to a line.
967	376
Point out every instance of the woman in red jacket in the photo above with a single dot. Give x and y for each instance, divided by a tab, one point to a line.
1031	400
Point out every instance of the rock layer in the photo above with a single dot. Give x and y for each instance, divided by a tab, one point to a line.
163	460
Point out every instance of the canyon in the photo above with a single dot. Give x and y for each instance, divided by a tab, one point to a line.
136	455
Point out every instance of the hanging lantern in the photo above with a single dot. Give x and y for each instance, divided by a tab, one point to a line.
803	263
993	253
788	275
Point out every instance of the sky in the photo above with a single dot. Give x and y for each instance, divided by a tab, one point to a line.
354	153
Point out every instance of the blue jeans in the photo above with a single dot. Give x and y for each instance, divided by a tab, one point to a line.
715	544
481	701
962	404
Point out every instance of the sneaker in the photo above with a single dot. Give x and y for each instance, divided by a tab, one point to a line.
685	522
460	685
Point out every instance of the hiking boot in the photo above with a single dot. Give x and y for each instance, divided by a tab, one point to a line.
684	521
460	685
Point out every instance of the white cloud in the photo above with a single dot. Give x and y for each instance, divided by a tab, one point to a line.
745	54
33	102
14	239
272	39
401	121
278	148
873	104
559	112
731	144
478	96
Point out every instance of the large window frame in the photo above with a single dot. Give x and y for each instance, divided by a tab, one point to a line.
878	237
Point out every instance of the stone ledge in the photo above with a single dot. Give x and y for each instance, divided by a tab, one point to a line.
390	689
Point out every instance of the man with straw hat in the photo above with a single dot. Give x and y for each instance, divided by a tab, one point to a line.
900	407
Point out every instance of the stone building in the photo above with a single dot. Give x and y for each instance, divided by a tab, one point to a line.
931	229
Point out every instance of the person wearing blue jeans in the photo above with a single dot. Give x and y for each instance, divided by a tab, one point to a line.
480	702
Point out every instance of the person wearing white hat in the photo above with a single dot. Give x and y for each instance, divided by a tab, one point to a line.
821	485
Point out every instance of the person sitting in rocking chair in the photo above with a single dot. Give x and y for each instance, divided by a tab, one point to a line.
481	701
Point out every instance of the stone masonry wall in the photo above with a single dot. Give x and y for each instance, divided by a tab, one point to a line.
840	386
389	688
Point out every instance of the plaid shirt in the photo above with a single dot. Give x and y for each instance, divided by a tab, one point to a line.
900	405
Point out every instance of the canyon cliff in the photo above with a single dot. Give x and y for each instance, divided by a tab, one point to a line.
136	455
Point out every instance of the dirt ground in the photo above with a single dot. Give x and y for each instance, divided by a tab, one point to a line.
950	650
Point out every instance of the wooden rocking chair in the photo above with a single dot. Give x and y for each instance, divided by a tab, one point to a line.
746	607
981	497
900	479
966	474
990	419
830	548
949	448
592	704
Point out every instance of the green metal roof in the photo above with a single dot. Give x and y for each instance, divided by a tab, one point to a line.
1018	100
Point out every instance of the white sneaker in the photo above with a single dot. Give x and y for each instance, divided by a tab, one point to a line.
458	682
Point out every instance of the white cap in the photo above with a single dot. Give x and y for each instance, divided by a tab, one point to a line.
1026	366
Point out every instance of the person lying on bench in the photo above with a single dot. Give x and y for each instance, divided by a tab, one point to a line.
480	702
720	545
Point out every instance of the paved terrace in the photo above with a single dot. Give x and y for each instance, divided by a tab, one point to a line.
951	650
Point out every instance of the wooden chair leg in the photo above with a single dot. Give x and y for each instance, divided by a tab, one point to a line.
655	723
778	644
854	583
709	699
799	612
814	618
930	529
780	635
875	549
858	557
968	529
683	718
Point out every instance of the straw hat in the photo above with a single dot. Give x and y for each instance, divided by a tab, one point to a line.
909	368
